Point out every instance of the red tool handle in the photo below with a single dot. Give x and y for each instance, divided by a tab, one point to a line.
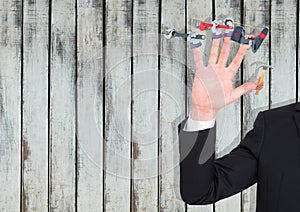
203	26
224	27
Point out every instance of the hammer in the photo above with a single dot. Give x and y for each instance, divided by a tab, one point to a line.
262	76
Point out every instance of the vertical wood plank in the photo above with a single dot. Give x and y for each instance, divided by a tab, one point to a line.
35	106
283	48
145	105
256	13
117	146
10	104
90	105
62	106
196	13
228	118
172	104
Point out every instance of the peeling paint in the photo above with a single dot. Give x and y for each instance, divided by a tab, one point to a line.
135	152
26	150
23	199
17	5
59	46
235	3
4	34
141	2
96	4
31	2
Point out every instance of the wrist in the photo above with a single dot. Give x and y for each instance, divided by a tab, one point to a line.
202	114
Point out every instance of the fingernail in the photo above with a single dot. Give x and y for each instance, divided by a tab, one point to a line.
216	36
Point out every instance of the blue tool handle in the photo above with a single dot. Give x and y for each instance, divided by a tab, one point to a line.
178	34
202	37
259	39
244	41
184	35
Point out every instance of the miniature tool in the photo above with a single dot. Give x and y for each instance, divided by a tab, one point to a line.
203	26
262	76
171	33
236	33
238	36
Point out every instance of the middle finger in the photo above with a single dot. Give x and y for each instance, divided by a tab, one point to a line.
214	51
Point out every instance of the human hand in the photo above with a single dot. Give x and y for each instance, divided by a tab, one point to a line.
212	87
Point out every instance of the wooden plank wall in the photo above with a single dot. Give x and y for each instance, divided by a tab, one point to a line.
91	95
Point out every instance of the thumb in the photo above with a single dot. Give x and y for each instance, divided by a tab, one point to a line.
242	89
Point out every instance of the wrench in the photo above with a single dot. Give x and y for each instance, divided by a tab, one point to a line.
171	33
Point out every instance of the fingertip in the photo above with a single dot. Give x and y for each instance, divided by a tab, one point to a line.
249	44
254	86
260	86
196	49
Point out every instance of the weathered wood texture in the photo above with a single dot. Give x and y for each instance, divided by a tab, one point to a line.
35	106
117	132
145	105
172	105
283	52
89	130
91	95
10	104
62	142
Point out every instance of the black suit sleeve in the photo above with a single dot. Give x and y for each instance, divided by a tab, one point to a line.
204	179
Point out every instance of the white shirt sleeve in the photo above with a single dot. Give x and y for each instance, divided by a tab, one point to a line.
194	125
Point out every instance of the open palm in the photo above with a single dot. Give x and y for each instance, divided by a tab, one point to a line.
212	87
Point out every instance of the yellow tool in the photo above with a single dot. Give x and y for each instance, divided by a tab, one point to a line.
262	76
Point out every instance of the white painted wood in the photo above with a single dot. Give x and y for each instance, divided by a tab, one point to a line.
145	106
117	148
153	166
255	15
90	105
172	105
62	107
228	118
283	48
10	105
35	106
197	12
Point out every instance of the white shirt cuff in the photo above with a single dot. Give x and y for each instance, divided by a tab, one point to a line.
194	125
